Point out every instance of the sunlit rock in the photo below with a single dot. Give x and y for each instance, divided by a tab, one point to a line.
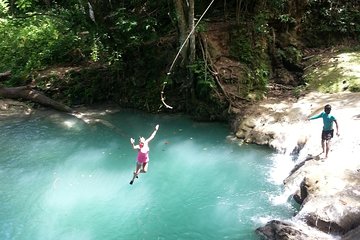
324	190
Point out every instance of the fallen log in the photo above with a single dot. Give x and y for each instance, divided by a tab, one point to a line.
27	93
5	75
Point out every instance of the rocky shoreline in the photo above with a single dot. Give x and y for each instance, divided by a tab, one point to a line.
327	191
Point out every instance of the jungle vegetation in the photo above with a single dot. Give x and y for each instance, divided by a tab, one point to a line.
83	52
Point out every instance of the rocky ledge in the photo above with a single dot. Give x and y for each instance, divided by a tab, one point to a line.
326	191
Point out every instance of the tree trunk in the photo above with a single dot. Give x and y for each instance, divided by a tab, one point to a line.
25	92
182	25
191	28
185	11
192	47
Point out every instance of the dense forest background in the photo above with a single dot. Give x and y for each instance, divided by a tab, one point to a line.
127	52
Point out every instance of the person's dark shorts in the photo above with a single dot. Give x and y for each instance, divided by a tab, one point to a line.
327	135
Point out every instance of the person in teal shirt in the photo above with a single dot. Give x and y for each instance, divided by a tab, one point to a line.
327	132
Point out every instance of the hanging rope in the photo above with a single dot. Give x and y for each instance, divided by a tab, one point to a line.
187	38
163	97
177	55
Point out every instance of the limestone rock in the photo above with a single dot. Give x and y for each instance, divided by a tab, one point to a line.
352	235
327	190
280	230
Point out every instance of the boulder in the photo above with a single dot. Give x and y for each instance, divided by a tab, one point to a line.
281	230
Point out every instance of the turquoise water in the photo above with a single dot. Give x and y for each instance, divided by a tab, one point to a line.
61	178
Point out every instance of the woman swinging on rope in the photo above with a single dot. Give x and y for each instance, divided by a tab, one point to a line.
143	154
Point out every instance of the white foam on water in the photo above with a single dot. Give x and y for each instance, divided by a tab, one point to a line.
281	167
261	220
282	164
281	199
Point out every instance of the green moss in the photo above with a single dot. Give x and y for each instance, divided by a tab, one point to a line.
337	73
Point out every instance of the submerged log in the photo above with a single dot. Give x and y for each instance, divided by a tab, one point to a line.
27	93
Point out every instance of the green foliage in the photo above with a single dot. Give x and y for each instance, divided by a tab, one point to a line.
4	7
201	27
24	5
35	42
290	54
18	6
355	88
96	49
261	24
86	85
249	46
335	73
130	30
286	18
261	76
241	46
332	19
256	79
204	82
64	34
277	5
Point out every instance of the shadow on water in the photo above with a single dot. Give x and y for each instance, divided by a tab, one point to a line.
64	179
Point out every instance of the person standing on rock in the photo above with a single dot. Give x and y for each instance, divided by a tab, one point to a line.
327	131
